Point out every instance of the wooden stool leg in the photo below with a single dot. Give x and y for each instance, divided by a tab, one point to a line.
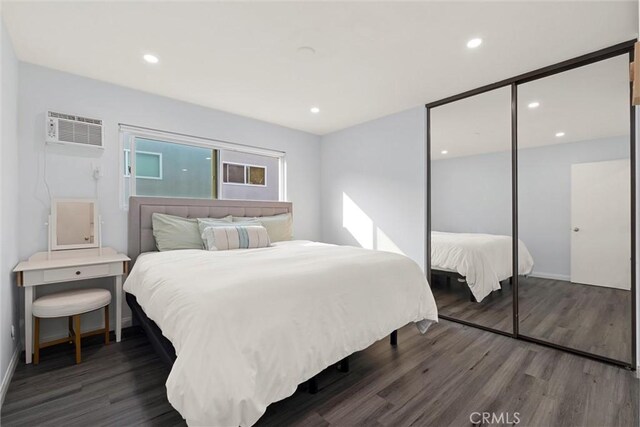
71	333
106	324
76	330
36	341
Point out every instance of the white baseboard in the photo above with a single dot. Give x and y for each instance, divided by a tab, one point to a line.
552	276
9	374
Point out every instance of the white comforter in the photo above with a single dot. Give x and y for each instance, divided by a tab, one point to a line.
483	259
250	325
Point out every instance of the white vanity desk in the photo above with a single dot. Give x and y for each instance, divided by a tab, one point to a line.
44	268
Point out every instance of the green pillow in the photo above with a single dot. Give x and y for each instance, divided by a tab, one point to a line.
174	232
279	227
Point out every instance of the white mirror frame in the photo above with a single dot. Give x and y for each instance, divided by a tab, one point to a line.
53	226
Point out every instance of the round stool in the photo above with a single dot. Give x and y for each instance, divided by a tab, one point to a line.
70	304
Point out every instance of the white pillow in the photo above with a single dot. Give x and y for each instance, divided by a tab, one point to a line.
212	222
222	238
204	223
279	227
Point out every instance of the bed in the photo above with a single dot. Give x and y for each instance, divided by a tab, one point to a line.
244	328
481	261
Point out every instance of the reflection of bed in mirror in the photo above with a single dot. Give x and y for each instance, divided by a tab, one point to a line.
480	261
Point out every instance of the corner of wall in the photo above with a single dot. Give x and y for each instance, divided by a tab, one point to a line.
9	345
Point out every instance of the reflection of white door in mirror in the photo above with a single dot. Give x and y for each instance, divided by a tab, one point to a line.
600	223
74	224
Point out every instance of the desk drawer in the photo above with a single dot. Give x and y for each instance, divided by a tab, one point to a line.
75	273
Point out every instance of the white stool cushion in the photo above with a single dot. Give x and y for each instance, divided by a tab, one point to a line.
70	303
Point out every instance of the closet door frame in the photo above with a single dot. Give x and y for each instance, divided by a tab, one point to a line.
513	83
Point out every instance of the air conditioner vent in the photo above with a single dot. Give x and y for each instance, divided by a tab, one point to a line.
70	129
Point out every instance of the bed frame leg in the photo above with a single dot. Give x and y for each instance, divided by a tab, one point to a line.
343	365
312	385
393	338
471	297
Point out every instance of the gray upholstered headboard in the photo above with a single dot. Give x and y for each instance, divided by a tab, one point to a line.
141	208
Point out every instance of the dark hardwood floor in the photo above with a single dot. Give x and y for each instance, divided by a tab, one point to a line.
437	379
588	318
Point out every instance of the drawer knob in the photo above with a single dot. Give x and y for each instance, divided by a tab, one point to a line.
78	273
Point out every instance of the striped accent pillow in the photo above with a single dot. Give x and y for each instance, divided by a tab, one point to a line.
222	238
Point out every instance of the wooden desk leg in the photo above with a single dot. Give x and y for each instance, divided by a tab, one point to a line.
28	323
118	285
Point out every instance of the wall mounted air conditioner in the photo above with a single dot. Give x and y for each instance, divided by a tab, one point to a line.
74	130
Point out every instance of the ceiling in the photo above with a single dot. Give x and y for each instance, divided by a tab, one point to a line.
586	103
371	58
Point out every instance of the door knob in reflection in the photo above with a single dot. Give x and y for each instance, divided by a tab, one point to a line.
576	229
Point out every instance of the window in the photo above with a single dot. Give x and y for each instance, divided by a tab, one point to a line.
148	164
256	175
234	173
165	164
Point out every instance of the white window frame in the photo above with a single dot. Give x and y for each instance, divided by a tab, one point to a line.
129	133
127	156
245	166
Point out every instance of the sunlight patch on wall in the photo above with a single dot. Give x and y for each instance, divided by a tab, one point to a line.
384	243
362	228
357	222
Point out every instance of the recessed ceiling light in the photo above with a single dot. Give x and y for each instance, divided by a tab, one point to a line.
184	170
534	104
306	51
314	110
474	43
444	152
151	59
559	134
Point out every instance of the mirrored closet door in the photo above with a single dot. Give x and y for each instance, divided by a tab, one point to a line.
574	209
536	173
470	239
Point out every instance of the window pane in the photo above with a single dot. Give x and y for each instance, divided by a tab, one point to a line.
234	173
262	175
256	175
180	170
148	165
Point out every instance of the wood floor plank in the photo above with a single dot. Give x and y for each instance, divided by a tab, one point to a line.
584	317
437	379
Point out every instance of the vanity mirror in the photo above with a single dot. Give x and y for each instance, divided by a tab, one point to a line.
74	224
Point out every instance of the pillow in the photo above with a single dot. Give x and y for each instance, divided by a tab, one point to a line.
214	222
174	232
222	238
279	227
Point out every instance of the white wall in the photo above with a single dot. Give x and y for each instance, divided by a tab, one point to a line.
8	202
69	170
373	184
